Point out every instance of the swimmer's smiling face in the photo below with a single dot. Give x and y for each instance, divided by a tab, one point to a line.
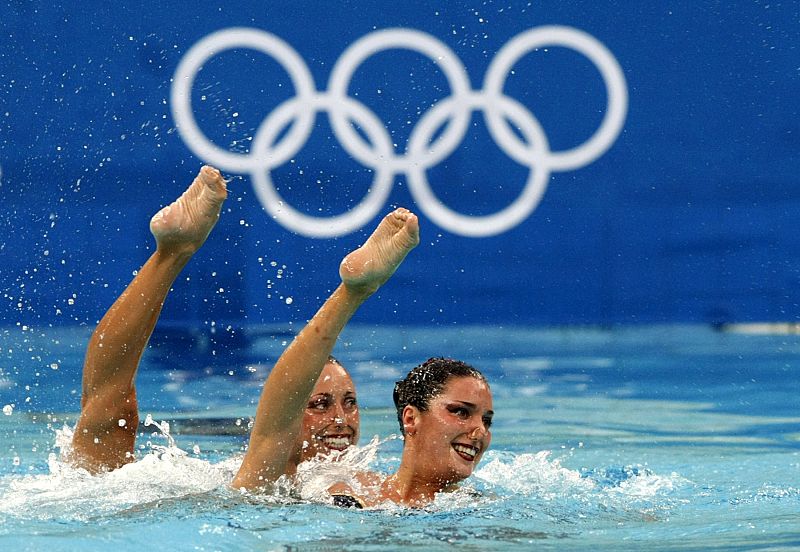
331	418
453	433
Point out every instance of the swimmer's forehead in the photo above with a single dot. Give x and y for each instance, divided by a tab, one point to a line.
334	377
470	391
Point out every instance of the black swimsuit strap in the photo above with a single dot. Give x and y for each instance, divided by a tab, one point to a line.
346	501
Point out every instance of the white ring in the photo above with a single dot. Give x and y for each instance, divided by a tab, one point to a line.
598	54
409	39
505	219
325	227
189	67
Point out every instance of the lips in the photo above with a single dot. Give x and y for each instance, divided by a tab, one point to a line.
467	452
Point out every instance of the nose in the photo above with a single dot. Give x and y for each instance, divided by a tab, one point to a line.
339	416
478	432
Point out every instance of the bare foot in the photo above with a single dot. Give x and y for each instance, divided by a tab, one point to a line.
369	266
186	223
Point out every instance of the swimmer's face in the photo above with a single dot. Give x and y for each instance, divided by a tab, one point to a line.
331	419
452	435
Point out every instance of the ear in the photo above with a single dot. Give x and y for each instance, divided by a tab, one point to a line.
410	420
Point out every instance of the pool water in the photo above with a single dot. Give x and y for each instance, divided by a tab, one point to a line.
674	437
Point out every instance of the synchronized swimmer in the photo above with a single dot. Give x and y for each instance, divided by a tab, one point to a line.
308	405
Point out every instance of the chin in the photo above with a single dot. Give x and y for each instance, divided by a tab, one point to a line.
454	476
459	470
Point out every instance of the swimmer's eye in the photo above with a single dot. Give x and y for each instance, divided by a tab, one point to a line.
460	411
319	404
350	402
487	422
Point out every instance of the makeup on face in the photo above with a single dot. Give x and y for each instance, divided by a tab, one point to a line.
455	430
331	419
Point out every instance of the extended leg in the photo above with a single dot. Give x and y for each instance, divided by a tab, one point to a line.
291	381
106	430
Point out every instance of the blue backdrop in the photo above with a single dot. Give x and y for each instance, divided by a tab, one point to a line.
686	210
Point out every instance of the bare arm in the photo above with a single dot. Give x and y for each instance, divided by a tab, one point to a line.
289	385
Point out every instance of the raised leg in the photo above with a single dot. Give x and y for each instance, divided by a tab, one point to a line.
291	381
106	430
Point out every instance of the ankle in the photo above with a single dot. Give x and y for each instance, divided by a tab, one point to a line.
177	254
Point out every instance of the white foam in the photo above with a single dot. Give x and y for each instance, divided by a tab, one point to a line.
167	472
316	476
532	474
69	492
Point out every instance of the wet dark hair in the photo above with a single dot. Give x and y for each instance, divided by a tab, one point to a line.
427	381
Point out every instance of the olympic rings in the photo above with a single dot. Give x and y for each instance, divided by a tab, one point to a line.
270	149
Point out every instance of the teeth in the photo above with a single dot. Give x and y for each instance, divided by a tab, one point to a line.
466	450
336	442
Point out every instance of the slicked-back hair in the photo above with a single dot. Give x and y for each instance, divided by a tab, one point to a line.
427	381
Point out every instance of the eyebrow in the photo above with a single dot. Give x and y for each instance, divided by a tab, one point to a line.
330	395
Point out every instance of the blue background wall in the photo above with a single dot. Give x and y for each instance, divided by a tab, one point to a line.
691	215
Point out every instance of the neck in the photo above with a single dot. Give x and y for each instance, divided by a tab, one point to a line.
409	487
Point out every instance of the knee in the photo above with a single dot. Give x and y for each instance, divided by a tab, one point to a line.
128	416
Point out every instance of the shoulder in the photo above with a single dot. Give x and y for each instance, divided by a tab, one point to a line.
366	492
369	479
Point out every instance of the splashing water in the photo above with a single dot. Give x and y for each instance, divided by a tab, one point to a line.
559	493
73	493
316	476
167	473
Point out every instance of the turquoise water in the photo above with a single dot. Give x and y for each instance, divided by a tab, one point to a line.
625	439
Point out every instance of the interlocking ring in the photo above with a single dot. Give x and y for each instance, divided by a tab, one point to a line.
270	149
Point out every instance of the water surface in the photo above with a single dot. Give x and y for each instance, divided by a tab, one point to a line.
639	438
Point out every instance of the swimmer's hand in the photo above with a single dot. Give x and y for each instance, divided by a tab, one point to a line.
369	266
184	225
